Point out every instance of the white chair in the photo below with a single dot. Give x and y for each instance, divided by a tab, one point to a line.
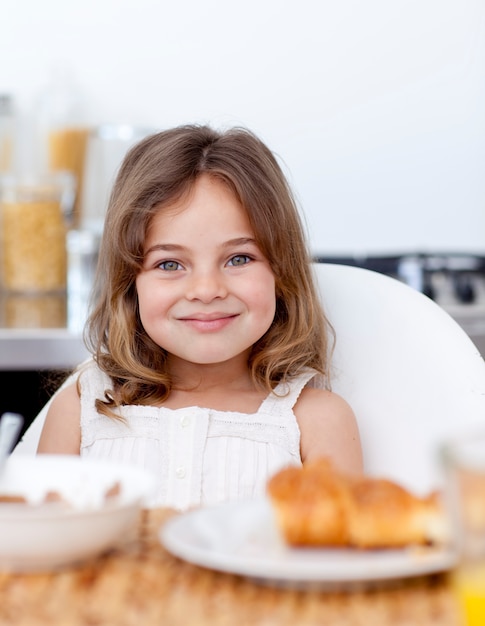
409	371
411	374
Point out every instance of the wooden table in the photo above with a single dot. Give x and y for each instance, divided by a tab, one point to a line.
140	584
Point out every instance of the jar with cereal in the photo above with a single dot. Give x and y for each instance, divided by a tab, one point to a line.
33	230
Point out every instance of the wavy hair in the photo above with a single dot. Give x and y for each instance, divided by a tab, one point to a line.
158	171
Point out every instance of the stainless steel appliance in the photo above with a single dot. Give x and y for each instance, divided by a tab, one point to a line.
454	281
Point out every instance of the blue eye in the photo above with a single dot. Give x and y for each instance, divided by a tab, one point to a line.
169	266
239	259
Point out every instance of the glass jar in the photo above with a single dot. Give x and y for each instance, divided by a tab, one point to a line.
20	310
33	232
61	130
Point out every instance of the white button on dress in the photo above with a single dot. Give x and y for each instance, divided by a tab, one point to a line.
180	472
185	421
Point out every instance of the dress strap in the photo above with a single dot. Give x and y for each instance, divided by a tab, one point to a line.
285	395
94	383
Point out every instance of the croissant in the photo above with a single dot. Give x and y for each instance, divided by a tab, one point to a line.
315	505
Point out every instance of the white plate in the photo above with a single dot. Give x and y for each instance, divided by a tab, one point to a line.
242	538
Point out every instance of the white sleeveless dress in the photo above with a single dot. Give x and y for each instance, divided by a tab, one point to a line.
198	455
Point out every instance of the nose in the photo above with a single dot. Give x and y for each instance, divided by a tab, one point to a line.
206	285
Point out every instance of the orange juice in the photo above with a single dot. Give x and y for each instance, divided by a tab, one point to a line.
469	585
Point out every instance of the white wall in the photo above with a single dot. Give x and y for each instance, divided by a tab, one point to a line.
376	107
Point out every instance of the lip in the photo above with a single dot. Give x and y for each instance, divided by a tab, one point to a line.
206	317
209	322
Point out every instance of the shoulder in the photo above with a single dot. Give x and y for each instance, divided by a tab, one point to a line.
314	403
61	432
65	395
328	427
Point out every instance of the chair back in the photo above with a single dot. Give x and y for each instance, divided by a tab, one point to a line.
409	371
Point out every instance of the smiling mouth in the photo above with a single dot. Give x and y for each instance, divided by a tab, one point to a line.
206	317
209	323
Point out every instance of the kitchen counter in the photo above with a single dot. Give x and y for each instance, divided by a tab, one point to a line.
40	349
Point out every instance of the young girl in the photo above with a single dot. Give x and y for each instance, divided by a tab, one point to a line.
209	342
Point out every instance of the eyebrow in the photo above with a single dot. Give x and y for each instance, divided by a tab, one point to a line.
170	247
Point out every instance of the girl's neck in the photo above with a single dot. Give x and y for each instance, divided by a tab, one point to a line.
222	386
230	375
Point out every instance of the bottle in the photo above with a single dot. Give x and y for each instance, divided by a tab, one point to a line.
62	131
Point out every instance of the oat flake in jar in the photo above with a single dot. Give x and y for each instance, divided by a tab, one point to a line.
33	219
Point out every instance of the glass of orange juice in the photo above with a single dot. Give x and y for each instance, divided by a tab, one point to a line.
464	463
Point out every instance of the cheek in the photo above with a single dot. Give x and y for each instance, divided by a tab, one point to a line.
149	300
265	300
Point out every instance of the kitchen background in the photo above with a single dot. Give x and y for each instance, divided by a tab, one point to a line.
376	110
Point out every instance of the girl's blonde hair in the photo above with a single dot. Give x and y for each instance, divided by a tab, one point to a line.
159	171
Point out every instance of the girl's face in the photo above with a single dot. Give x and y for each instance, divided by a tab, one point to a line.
206	293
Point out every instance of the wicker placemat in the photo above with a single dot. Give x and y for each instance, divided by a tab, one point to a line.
140	584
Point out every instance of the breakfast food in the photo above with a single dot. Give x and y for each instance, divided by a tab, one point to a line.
13	499
51	496
315	505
